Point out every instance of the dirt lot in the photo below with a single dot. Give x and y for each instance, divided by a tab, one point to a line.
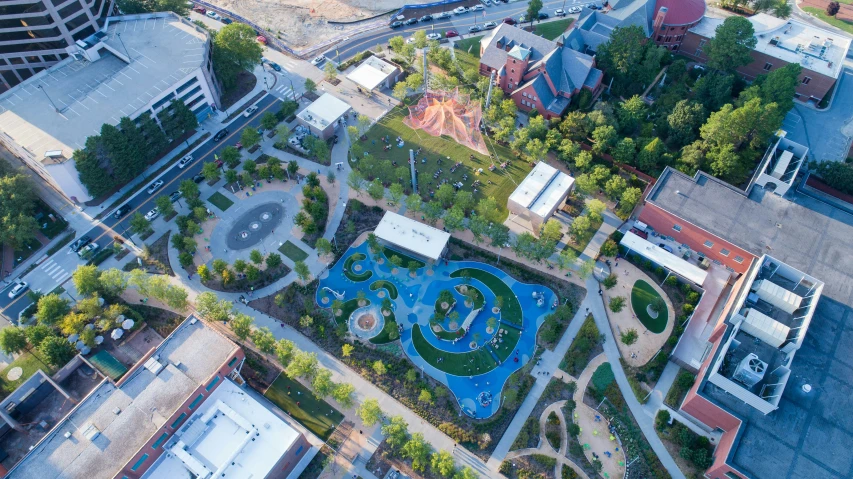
302	23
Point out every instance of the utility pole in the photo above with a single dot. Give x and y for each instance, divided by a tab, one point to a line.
48	98
426	70
412	167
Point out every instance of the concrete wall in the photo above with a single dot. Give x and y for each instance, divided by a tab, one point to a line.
290	459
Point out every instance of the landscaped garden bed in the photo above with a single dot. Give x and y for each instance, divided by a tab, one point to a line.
588	343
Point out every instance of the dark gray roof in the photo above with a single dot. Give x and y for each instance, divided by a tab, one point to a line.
496	57
576	69
592	79
597	25
540	86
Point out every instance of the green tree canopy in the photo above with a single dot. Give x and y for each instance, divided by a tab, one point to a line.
732	44
235	49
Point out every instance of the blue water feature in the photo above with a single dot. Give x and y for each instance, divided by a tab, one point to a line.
478	395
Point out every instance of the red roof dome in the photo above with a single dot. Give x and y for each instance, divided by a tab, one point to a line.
681	12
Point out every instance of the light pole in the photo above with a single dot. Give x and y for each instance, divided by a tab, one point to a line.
48	98
123	46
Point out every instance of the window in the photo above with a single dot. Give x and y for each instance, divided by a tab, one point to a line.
298	450
233	360
534	98
698	52
806	80
730	269
676	227
739	259
196	401
160	440
709	244
768	66
702	42
660	37
212	383
140	462
524	94
725	252
179	420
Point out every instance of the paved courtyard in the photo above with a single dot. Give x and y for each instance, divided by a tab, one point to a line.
825	132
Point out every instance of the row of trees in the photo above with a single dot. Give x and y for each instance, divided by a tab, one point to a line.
17	207
315	206
252	269
121	153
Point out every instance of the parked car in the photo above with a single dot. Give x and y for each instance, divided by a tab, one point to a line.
213	15
475	29
122	210
441	16
261	39
220	134
79	243
227	21
592	6
275	66
510	21
18	289
666	247
487	3
543	15
396	24
489	25
433	36
411	21
250	110
88	250
559	12
198	178
425	18
152	215
175	196
318	60
185	161
451	34
641	234
575	10
154	186
199	9
477	8
460	10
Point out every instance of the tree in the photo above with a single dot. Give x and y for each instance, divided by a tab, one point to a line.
396	432
623	51
269	121
56	351
586	268
213	309
583	160
465	473
567	258
617	303
443	464
425	396
37	334
732	44
322	383
714	90
302	271
235	49
536	149
631	112
650	156
355	181
250	137
832	8
189	190
210	171
284	350
273	261
533	9
310	85
552	230
13	340
164	205
346	350
778	86
369	412
264	340
302	365
379	367
615	186
579	228
414	203
417	448
489	210
17	201
204	273
241	325
433	211
376	190
657	305
629	336
395	193
343	395
684	121
51	307
454	219
445	195
87	280
604	137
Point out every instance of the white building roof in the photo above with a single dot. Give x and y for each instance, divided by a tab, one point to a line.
324	111
231	435
412	235
542	189
372	72
664	258
814	48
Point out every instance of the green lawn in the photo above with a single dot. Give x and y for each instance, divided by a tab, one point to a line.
352	275
388	252
220	201
384	336
581	245
315	414
389	286
292	251
469	45
642	294
511	311
458	364
835	22
481	300
29	364
503	181
552	30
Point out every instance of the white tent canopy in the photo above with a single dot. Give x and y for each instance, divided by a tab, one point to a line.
664	258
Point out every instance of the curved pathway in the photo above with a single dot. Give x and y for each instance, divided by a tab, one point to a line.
596	434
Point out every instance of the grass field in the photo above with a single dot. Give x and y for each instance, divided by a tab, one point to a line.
292	251
821	14
389	286
511	311
458	364
220	201
642	294
503	182
29	364
348	308
469	45
315	414
552	30
384	336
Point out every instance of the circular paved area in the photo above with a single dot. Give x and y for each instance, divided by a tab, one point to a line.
254	225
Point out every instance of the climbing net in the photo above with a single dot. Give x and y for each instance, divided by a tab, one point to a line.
449	113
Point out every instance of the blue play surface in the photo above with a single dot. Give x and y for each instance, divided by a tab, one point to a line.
416	303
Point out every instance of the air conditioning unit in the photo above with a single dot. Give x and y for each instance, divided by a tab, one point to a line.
750	371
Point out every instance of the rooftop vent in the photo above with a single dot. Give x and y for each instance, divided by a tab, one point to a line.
90	432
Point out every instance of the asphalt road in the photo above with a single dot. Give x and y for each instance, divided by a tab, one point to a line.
460	23
57	269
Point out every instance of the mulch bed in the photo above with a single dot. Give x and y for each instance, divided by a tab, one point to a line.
245	83
157	261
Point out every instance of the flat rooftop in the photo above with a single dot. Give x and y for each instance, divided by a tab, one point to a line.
232	434
163	51
812	47
372	72
664	258
128	416
542	189
412	235
324	111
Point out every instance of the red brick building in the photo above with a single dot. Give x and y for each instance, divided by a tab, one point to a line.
672	20
538	74
820	52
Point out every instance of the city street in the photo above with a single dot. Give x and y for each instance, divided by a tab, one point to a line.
58	268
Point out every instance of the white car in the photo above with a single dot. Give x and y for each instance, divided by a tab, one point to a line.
213	15
318	60
250	110
559	12
433	36
487	3
87	250
575	10
185	161
152	215
19	288
489	25
155	186
460	10
477	8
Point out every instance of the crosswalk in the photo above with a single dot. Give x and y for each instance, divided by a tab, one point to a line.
55	271
285	91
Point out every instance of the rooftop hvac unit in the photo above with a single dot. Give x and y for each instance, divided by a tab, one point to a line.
90	432
750	371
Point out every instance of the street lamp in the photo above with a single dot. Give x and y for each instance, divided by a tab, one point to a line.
123	45
48	98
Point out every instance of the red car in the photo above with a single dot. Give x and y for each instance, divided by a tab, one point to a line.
451	34
200	10
509	21
261	39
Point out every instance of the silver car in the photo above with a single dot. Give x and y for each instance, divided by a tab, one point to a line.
155	186
18	289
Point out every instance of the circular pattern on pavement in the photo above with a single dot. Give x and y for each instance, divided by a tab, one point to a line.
254	225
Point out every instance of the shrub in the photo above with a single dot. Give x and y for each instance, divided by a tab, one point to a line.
688	308
672	280
629	336
609	248
573	429
662	420
617	303
610	281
